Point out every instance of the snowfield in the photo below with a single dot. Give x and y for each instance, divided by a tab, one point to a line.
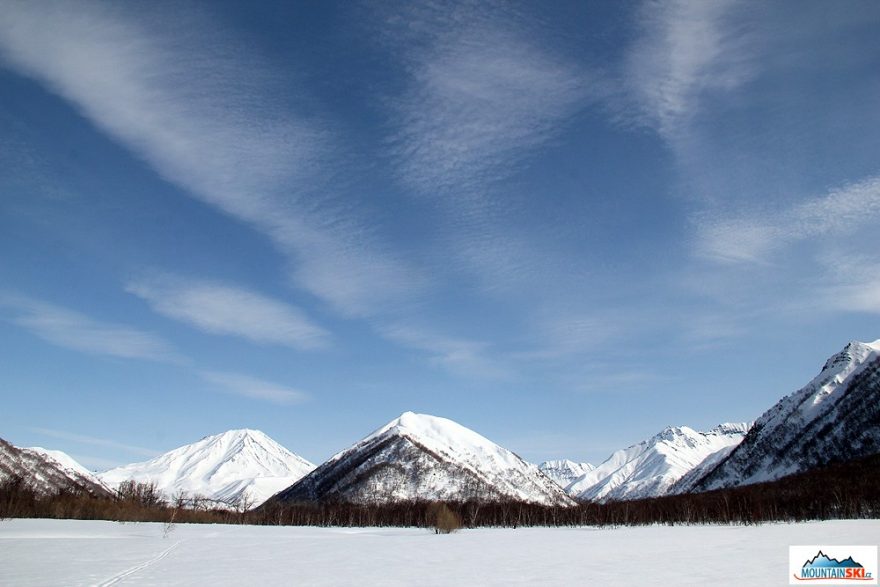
73	552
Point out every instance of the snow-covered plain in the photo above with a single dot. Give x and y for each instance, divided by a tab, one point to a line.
71	552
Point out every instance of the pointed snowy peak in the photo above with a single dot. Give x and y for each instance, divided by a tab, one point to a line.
238	467
422	457
564	471
831	419
446	437
46	474
651	467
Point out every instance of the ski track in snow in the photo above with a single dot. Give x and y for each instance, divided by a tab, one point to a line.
120	576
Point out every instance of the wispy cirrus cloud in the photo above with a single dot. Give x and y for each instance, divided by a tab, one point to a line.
481	98
686	51
621	381
481	95
220	308
73	330
851	281
566	333
485	89
458	355
254	388
201	110
94	441
757	236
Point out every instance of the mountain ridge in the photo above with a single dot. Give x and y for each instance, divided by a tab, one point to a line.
46	474
234	468
652	467
834	418
422	457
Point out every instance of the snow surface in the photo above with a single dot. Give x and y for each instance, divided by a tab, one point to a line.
227	468
422	457
653	466
73	552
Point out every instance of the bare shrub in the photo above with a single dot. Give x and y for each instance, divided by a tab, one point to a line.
444	520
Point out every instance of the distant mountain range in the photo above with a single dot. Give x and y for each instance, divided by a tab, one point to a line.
564	471
833	419
652	467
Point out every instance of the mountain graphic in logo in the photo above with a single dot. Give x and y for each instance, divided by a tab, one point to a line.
822	560
845	564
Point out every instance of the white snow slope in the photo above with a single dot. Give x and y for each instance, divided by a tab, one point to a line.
564	471
67	463
832	419
75	553
239	467
45	473
650	468
421	457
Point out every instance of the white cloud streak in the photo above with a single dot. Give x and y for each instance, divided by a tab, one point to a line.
851	281
481	98
457	355
203	118
485	91
219	308
687	50
567	334
754	238
91	440
75	331
251	387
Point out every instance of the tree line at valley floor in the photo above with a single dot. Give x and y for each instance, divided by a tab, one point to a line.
840	491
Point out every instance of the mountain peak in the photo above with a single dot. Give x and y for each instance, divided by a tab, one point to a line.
564	471
240	434
651	467
832	418
671	433
226	467
438	434
423	457
731	428
46	471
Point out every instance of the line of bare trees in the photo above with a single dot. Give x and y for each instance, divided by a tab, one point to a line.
850	490
132	502
844	491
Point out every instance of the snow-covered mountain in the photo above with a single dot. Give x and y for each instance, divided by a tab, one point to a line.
421	457
47	472
650	468
564	471
68	464
62	459
239	467
834	418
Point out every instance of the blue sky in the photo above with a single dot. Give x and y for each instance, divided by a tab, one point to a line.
563	225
